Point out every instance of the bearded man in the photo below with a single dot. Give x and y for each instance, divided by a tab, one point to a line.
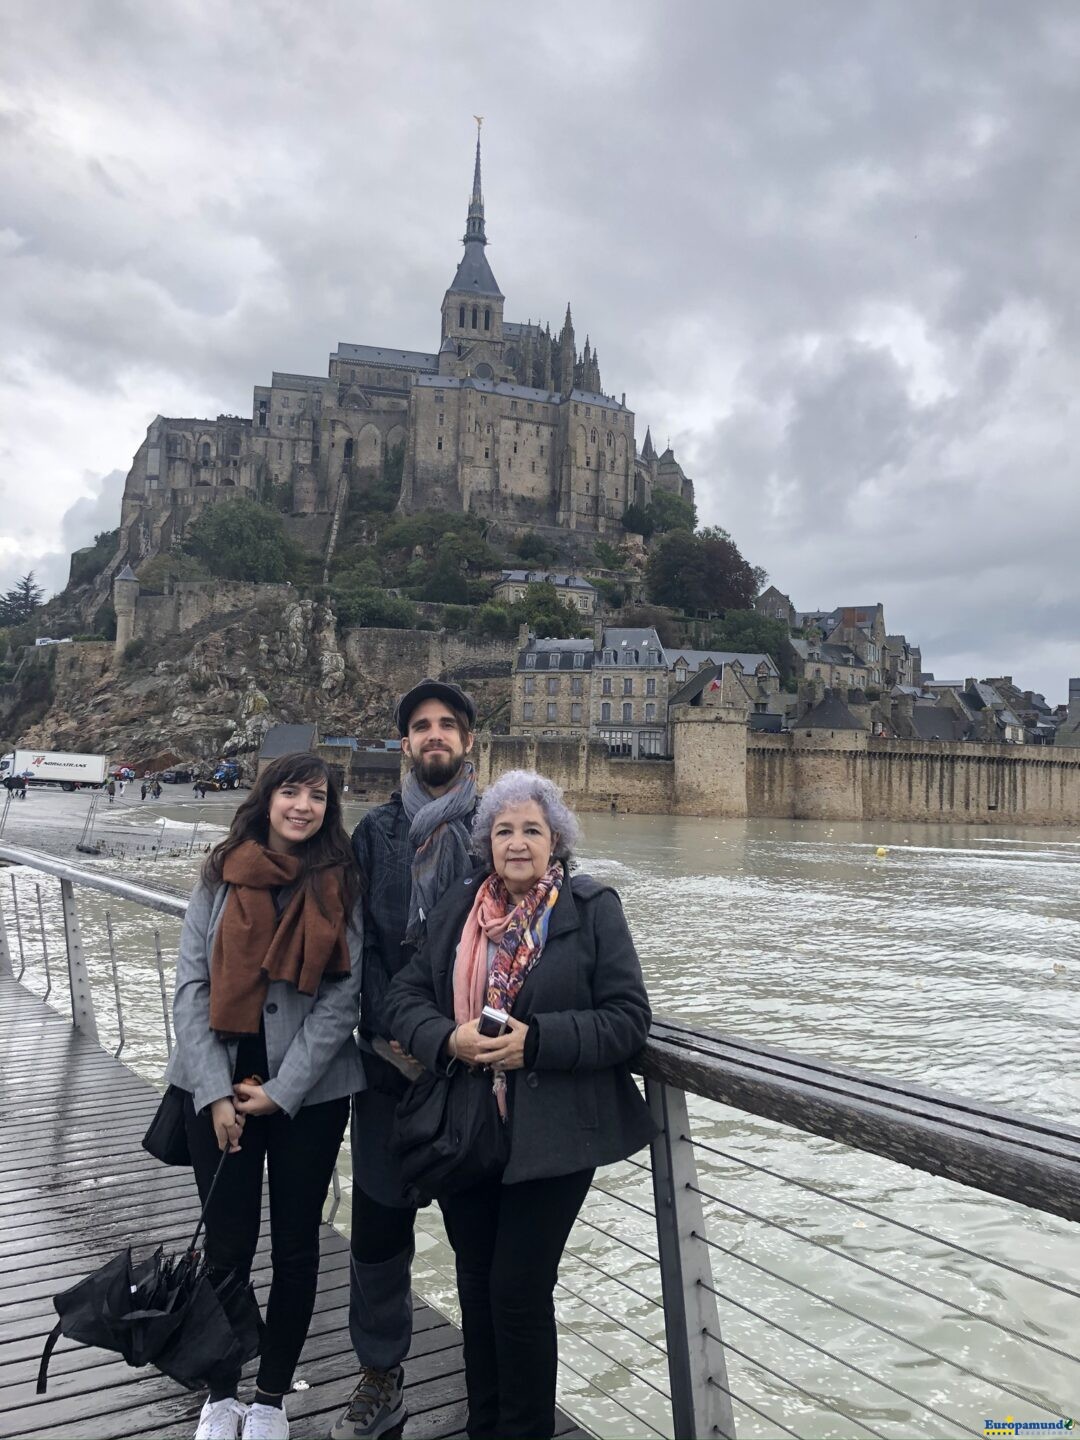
410	851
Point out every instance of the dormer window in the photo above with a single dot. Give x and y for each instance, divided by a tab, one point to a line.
579	661
530	661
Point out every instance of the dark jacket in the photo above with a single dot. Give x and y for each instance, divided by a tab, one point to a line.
384	854
576	1106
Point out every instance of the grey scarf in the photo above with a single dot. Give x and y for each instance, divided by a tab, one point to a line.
438	829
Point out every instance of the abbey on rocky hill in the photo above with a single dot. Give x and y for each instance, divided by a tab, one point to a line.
504	421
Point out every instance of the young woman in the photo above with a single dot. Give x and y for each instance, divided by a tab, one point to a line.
267	999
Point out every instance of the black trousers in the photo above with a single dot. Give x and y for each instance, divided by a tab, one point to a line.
299	1156
508	1241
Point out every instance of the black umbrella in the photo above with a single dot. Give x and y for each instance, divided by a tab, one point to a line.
164	1311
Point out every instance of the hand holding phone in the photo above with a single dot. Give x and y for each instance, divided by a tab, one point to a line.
492	1022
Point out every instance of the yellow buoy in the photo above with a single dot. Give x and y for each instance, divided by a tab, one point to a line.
881	852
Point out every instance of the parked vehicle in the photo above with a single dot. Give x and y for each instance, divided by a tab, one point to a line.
56	767
227	776
178	775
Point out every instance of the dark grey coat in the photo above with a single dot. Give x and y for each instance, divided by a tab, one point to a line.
576	1106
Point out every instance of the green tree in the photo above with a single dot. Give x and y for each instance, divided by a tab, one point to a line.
550	616
369	607
675	572
754	634
729	582
172	565
611	557
672	512
243	540
637	519
535	550
20	602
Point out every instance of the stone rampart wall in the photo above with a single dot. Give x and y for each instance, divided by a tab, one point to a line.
193	601
851	776
591	779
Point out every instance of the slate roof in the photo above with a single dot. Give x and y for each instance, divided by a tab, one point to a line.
539	577
490	387
127	574
556	655
938	722
474	273
696	658
288	740
830	713
392	359
284	380
629	645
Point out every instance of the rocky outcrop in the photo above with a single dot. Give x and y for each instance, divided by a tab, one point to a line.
217	687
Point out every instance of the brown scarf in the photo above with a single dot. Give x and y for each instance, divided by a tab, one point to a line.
253	946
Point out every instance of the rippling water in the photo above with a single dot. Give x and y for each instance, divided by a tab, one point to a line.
954	961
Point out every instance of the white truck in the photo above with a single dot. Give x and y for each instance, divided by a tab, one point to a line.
56	767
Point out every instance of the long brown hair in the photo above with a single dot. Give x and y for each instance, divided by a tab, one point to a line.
328	848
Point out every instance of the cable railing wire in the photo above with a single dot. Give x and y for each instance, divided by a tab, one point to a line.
637	1375
615	1320
829	1354
742	1400
586	1380
618	1279
874	1324
877	1215
895	1279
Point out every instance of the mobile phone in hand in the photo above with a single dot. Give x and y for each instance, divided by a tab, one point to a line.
493	1023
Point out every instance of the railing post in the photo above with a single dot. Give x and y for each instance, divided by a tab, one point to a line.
700	1396
7	969
82	1001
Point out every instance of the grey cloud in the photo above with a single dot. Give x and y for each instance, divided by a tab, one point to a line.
831	248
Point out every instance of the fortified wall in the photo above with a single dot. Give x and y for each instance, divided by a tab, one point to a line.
721	769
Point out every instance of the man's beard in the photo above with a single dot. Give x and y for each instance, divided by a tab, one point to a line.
439	768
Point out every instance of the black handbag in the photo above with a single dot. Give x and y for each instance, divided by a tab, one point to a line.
448	1134
166	1139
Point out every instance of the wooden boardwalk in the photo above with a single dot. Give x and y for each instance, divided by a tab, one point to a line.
76	1187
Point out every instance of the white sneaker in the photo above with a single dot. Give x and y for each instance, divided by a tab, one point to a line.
221	1419
266	1422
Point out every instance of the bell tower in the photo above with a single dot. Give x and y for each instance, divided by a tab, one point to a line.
472	309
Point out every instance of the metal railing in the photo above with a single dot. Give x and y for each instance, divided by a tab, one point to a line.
802	1327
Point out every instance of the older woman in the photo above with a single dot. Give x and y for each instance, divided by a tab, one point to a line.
555	954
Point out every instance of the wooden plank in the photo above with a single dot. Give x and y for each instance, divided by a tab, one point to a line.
78	1187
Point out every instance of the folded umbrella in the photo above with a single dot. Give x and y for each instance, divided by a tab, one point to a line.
171	1312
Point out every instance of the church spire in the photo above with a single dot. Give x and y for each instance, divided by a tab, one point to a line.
474	225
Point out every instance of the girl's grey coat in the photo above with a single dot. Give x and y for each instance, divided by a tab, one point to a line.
310	1045
577	1106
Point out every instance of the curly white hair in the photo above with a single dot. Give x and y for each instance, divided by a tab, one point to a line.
518	787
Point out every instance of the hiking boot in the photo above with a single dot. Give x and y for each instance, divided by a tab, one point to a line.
221	1419
376	1407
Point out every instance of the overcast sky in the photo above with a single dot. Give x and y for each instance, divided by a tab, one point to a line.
830	249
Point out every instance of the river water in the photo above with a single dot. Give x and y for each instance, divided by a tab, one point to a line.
953	959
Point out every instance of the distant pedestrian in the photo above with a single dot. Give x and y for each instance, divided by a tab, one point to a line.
110	790
156	790
143	790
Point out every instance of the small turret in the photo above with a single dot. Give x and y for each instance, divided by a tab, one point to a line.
567	355
125	599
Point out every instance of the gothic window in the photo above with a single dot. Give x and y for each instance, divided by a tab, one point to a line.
605	710
234	447
592	437
461	318
487	319
204	452
474	312
610	438
348	450
280	450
